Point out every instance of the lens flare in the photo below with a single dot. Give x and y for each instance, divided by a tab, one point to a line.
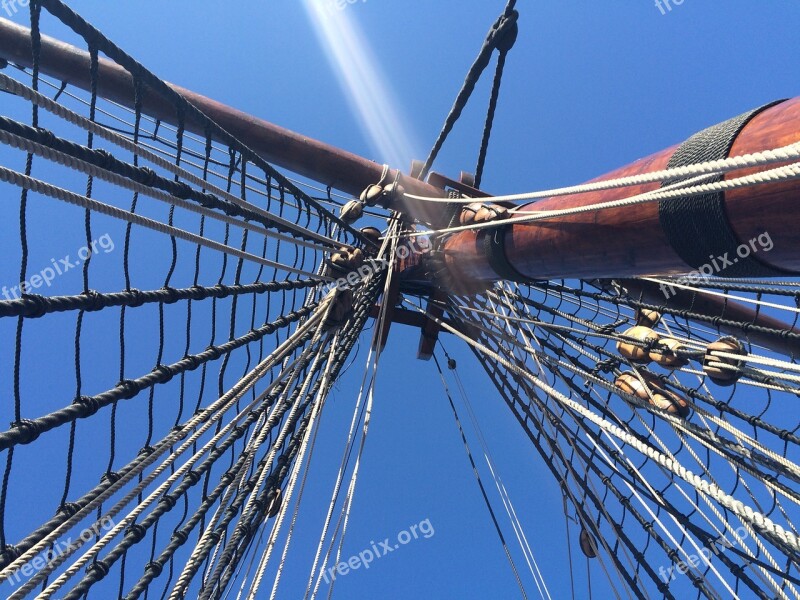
363	83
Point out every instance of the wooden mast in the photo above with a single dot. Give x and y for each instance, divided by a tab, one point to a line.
630	241
295	152
624	242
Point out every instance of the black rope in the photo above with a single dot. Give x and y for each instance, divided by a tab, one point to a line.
501	36
475	472
27	431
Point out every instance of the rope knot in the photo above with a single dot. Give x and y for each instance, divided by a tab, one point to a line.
35	305
68	509
164	373
30	430
169	501
99	567
504	36
155	568
137	298
9	554
136	532
170	295
96	301
111	477
128	389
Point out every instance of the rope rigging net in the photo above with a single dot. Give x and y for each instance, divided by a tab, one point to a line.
185	367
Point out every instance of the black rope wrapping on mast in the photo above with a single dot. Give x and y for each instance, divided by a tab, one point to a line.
501	36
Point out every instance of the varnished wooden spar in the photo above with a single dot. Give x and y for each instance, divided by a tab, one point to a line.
629	241
300	154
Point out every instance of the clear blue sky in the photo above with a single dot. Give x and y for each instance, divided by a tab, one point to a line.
590	86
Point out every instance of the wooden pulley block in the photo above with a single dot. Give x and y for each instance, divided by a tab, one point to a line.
718	374
588	544
371	195
633	352
666	354
352	211
651	390
647	318
373	234
490	212
468	213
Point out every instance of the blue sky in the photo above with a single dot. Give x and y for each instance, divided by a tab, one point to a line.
590	86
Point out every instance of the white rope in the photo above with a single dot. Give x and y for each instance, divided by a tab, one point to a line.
45	189
755	518
205	418
19	89
771	176
87	168
707	292
286	501
381	326
778	155
139	509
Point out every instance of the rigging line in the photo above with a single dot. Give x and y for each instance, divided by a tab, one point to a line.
205	418
678	430
137	148
702	290
761	572
589	524
45	189
247	511
389	248
764	177
545	410
591	434
138	510
510	511
790	468
483	490
761	521
224	565
348	448
273	593
558	452
349	339
655	516
163	125
501	35
709	168
287	498
339	478
123	182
